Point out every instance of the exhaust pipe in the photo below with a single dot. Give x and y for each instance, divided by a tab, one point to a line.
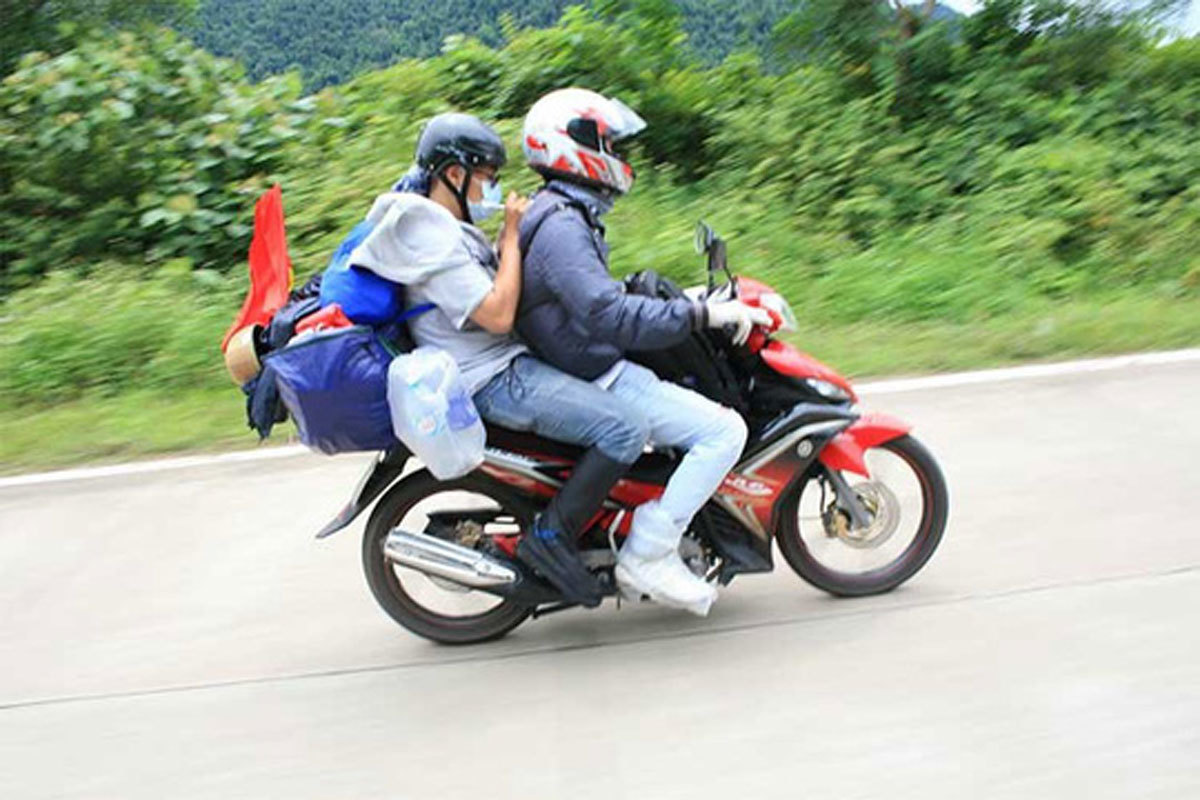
453	562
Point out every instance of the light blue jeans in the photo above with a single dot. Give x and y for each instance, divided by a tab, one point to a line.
712	437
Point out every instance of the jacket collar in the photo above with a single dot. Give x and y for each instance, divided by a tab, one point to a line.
593	203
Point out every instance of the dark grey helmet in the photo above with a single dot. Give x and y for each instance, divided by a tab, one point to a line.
459	139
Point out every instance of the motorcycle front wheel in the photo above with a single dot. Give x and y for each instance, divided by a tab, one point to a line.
909	504
429	606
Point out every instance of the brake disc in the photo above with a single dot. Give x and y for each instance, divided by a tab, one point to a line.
884	508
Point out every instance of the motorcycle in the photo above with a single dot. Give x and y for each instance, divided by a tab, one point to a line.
855	503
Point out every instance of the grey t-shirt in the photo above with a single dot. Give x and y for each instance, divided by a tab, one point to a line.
443	261
457	291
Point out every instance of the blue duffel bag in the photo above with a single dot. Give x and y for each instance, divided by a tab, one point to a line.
334	384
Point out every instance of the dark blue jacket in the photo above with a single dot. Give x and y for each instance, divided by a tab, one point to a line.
573	314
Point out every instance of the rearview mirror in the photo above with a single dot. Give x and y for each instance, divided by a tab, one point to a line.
704	237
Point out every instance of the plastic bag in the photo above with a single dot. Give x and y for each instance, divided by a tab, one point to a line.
433	414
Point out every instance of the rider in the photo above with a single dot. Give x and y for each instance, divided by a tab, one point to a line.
426	239
576	317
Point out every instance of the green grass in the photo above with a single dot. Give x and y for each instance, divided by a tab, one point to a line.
1043	333
156	422
124	428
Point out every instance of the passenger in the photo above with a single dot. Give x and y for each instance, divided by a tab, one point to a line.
426	239
577	318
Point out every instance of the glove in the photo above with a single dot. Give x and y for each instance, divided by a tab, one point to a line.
736	313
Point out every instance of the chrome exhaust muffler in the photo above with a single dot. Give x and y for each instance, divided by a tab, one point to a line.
455	563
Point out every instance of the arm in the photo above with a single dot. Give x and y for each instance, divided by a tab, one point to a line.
498	310
578	277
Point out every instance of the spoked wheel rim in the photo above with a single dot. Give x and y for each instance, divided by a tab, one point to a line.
897	498
906	492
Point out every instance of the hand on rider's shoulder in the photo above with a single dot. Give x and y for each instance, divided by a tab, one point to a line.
514	209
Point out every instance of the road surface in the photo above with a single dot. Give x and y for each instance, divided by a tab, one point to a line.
180	634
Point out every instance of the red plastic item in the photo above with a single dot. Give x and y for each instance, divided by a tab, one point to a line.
845	451
328	318
787	360
270	267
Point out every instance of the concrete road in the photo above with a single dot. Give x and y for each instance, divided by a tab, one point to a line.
182	635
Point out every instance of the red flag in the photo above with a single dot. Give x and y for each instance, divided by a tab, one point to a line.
270	267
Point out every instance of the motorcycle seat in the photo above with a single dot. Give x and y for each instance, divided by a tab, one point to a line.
653	467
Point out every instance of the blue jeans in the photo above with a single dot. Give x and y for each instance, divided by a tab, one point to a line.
530	395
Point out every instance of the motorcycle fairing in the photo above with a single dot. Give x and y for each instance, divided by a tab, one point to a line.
741	551
787	360
781	456
845	451
383	472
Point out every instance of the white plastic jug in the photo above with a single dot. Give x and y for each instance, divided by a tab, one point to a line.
433	414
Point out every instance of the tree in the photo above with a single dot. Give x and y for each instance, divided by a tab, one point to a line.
54	25
845	34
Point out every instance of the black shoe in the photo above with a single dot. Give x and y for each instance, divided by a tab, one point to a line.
549	552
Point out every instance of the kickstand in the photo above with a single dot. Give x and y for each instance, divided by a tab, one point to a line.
612	545
542	611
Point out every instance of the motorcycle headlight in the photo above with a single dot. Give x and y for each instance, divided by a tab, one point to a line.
775	302
826	389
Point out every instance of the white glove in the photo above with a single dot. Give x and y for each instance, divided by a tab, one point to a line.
735	312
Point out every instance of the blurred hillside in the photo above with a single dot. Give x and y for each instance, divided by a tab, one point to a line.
1022	183
331	42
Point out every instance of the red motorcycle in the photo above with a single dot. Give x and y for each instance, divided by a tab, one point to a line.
855	503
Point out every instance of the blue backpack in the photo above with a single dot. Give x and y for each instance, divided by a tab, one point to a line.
365	298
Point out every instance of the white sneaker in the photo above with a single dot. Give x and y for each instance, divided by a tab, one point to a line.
667	580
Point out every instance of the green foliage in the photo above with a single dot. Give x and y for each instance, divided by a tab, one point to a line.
135	147
843	34
631	49
953	175
56	26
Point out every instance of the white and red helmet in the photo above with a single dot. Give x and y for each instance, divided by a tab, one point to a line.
575	134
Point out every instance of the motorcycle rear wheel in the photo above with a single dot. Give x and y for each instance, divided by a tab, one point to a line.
400	601
928	533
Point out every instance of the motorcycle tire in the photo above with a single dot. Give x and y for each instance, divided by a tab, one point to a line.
935	511
389	590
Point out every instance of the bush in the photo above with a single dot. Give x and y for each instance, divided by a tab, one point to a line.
135	148
967	176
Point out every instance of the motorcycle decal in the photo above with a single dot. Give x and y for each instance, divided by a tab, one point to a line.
749	500
747	486
774	467
744	514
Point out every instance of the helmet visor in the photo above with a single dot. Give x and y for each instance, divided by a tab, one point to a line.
627	122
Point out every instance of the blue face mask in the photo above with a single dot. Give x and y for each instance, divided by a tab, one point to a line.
493	201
